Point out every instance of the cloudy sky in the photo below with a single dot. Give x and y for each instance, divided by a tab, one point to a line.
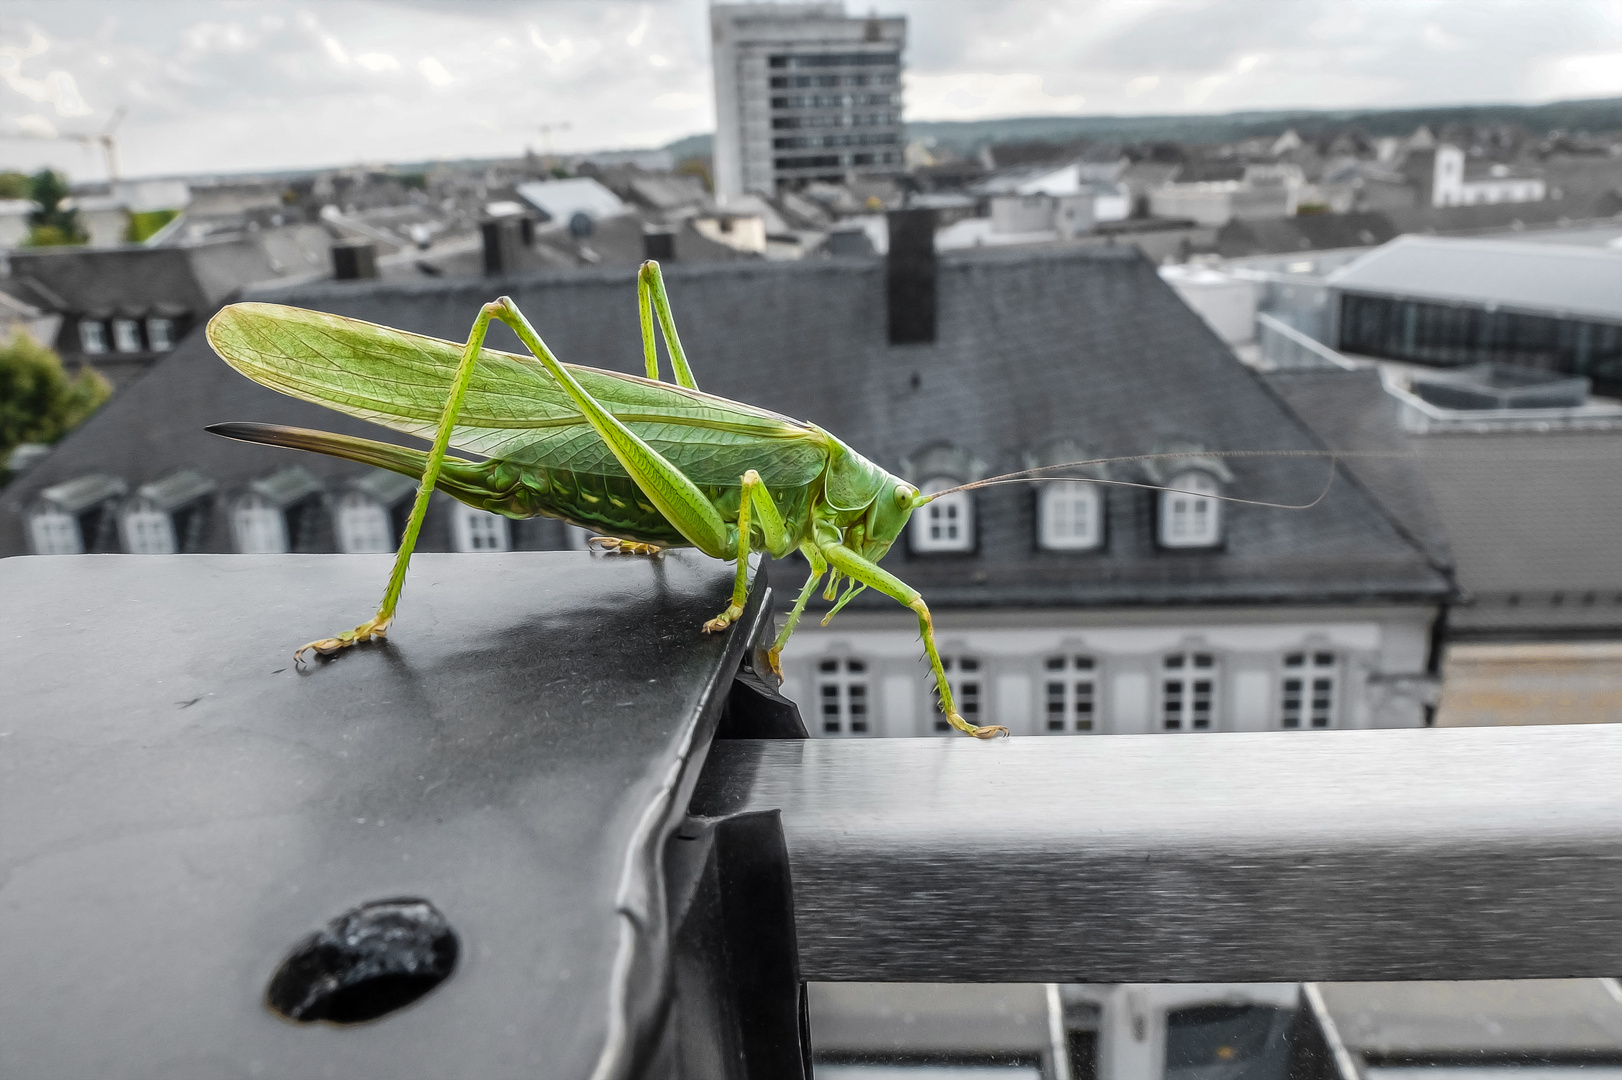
229	85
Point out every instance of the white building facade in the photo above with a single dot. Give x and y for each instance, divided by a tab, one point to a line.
803	93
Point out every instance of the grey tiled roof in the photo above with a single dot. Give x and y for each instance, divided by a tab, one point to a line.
1088	345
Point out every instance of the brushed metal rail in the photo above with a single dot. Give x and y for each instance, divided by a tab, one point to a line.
1351	855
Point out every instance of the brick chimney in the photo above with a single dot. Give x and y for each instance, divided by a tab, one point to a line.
909	272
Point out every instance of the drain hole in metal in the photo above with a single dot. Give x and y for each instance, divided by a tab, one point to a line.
366	963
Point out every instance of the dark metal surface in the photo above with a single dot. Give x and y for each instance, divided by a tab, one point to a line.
1435	854
179	807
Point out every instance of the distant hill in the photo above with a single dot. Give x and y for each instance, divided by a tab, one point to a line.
1595	115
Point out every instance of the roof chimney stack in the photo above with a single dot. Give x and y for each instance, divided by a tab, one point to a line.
353	262
503	241
909	273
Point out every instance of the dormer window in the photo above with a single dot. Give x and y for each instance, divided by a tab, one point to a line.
127	336
168	515
278	513
1189	516
479	530
160	334
1070	516
369	513
93	336
946	523
75	517
1069	512
259	526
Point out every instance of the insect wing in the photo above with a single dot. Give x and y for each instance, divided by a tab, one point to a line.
513	408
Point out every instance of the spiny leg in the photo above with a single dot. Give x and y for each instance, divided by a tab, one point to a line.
652	299
819	566
752	498
378	625
860	569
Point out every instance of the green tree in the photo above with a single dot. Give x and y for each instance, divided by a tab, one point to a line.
52	225
39	403
13	185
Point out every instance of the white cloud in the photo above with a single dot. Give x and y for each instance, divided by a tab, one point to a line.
434	72
977	95
557	52
376	61
1582	75
634	38
676	101
1141	85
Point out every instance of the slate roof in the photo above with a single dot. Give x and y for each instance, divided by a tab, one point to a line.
1264	236
1033	346
137	280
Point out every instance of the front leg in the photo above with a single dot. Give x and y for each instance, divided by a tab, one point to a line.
859	569
752	498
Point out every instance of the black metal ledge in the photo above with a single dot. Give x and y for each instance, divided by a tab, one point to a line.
1426	854
179	806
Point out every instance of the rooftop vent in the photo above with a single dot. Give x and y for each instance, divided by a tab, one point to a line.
1498	386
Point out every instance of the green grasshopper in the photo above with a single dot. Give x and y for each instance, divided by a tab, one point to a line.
647	463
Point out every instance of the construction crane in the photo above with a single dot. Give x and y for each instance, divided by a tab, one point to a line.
106	138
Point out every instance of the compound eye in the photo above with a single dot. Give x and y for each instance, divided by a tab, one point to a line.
904	494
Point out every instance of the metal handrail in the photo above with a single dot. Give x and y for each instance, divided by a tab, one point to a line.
1484	853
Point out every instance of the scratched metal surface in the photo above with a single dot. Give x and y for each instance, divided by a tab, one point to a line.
1433	854
178	806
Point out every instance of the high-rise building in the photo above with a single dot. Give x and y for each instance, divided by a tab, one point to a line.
804	93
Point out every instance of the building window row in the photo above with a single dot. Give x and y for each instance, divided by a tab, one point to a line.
122	335
811	142
806	82
833	101
822	60
835	161
834	120
1070	700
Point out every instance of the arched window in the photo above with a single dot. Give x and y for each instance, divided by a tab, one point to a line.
363	525
1189	516
1070	516
947	523
259	526
480	530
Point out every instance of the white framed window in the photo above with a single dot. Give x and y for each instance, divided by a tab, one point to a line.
160	334
1070	516
1189	516
258	527
92	335
363	525
149	531
127	335
1188	685
964	677
1070	694
946	524
1307	690
52	532
843	697
480	530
